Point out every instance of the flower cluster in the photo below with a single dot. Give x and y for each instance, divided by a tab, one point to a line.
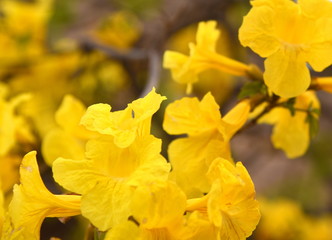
123	186
110	165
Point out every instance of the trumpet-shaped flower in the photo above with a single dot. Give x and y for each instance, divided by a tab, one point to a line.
289	35
122	157
292	133
230	206
208	137
32	202
203	56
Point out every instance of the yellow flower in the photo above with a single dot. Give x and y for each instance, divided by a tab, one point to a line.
318	228
122	157
23	30
289	35
208	138
281	219
230	206
292	133
202	56
121	30
32	202
126	124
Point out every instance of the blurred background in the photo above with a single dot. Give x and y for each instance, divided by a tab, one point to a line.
111	51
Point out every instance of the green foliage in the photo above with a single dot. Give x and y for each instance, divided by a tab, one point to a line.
313	122
252	88
140	7
289	104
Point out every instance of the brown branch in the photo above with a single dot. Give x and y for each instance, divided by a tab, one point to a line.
133	54
154	70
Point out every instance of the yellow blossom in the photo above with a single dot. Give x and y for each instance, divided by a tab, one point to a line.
289	35
318	228
113	166
202	56
208	137
121	29
281	219
230	206
22	33
292	133
32	202
284	219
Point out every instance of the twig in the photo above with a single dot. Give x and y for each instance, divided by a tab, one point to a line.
133	54
154	71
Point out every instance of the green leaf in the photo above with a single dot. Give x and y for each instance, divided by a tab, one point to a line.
313	122
252	88
313	110
289	104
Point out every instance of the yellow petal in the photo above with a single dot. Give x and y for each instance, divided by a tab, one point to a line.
124	231
150	171
69	115
316	8
117	162
78	176
158	205
286	73
59	143
9	174
107	204
7	127
235	119
2	207
190	116
207	35
319	55
179	64
123	125
191	158
256	31
142	110
291	133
